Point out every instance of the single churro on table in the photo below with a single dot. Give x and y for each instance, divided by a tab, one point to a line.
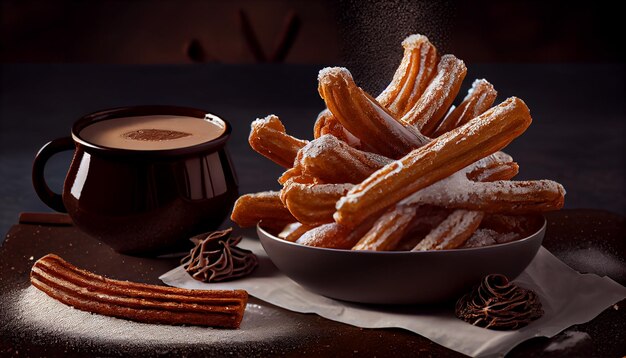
89	292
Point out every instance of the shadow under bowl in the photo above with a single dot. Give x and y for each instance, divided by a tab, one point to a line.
398	277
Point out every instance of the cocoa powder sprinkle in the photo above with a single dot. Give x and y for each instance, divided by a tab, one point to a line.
154	135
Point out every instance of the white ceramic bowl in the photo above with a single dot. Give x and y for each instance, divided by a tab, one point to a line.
397	277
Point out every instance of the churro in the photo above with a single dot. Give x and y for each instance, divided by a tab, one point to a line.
434	161
265	206
438	96
333	161
364	117
333	236
452	232
326	123
293	231
89	292
416	69
479	99
269	138
312	204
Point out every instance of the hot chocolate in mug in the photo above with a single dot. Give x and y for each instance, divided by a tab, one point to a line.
144	179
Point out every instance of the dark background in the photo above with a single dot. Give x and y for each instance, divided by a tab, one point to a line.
62	59
160	31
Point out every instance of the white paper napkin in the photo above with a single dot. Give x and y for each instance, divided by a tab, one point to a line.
567	296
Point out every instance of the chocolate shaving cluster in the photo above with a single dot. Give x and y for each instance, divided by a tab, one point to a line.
497	304
216	257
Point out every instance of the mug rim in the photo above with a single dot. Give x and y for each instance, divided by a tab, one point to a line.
147	110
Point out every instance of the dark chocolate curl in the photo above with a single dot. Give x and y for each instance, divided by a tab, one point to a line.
216	257
498	304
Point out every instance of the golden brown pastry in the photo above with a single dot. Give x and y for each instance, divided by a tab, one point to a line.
440	158
479	99
265	206
364	117
333	161
268	138
416	70
89	292
438	96
312	204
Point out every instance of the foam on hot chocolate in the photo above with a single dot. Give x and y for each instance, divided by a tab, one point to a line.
153	132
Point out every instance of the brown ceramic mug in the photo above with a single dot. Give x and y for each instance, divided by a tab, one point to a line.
137	201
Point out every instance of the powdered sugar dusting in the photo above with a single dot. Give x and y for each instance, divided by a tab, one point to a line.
435	95
328	72
482	237
54	319
455	227
264	121
402	133
320	145
317	234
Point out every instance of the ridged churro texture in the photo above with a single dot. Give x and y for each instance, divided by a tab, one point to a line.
480	98
89	292
269	138
408	170
438	96
334	161
312	204
363	116
418	65
434	161
265	206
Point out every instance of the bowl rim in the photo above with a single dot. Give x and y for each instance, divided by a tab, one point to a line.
428	252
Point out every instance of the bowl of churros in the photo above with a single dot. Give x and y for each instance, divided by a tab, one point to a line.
408	191
406	276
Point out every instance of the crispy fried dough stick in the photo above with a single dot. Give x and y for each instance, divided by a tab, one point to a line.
89	292
479	99
268	138
364	117
312	204
333	161
416	69
438	96
440	158
392	227
264	206
418	65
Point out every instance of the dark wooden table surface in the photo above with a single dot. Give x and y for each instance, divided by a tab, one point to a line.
584	239
577	138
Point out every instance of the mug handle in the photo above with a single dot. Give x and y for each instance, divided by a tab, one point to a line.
50	198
